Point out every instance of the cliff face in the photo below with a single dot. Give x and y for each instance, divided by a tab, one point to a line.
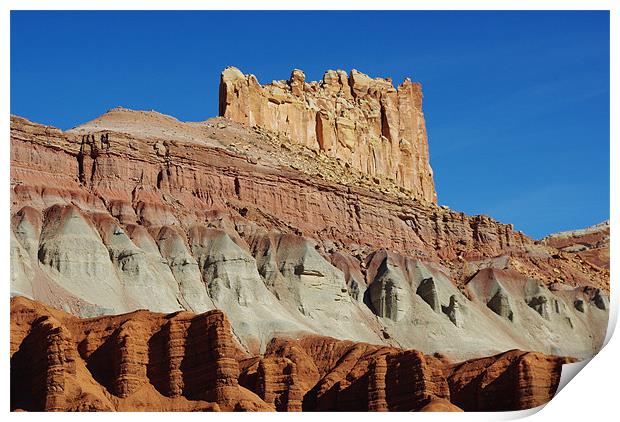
214	215
490	384
145	361
590	244
137	361
298	251
366	123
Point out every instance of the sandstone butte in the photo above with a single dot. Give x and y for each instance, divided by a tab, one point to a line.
288	255
364	122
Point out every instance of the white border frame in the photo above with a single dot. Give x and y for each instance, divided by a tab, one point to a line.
591	395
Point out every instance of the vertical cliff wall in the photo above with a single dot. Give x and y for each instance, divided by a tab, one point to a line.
366	123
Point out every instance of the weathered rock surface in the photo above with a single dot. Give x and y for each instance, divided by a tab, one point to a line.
301	232
510	381
137	210
276	381
590	244
136	361
145	361
367	123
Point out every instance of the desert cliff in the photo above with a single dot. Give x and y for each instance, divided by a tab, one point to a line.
297	242
365	122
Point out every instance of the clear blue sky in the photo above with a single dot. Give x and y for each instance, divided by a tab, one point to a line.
517	103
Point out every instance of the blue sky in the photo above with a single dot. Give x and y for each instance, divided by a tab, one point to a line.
516	103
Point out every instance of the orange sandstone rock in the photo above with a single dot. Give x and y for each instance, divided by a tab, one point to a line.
136	361
182	361
367	123
510	381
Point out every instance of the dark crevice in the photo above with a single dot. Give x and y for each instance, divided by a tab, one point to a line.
237	188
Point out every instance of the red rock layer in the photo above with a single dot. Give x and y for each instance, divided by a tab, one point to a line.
138	184
276	381
136	361
41	366
590	244
360	377
439	405
511	381
148	361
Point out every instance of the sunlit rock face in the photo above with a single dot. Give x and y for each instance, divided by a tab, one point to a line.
146	361
366	122
137	210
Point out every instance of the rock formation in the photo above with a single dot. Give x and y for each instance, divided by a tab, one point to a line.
510	381
186	362
453	311
137	361
590	244
134	202
367	123
338	275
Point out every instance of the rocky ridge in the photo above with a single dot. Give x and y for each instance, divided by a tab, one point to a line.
210	215
590	244
364	122
185	362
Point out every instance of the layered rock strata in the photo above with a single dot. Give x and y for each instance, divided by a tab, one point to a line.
590	244
210	215
365	122
146	361
137	361
489	384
